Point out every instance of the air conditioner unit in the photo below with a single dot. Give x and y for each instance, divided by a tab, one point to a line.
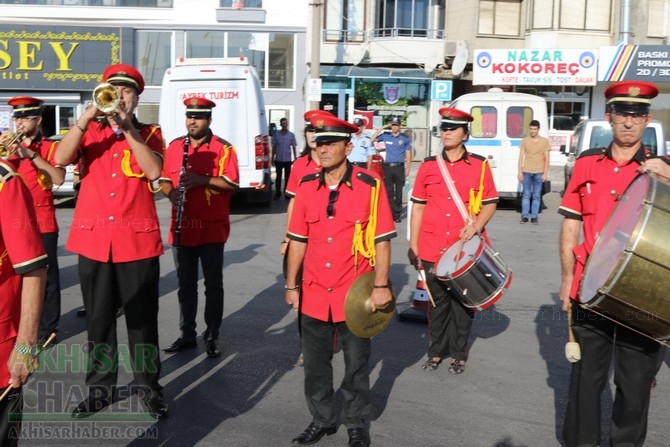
451	47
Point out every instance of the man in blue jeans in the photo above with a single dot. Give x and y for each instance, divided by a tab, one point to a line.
533	171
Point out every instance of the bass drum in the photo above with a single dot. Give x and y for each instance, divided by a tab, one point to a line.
474	273
625	277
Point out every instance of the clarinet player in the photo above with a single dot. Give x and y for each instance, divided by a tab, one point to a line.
199	175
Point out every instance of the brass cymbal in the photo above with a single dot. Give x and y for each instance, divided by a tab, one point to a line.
360	320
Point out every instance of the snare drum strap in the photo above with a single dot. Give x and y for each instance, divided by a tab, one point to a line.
452	190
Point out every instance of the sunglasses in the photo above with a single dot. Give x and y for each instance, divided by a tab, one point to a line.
332	198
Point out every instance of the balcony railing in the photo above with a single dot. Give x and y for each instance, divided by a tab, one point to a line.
332	35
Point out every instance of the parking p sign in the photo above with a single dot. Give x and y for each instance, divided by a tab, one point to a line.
440	90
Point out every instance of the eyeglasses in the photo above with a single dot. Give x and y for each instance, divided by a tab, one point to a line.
636	118
332	198
24	118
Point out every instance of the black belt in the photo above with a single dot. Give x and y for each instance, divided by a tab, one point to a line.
360	164
394	164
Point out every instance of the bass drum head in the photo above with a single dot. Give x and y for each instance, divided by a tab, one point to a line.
459	258
613	239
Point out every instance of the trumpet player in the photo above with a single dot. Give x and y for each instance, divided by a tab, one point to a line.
34	159
116	234
199	176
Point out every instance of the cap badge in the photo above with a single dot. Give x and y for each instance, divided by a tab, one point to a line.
319	124
194	102
447	115
634	91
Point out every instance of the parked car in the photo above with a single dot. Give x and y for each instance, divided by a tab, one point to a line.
598	133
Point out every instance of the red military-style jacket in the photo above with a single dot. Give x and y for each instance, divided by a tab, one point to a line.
206	214
303	166
39	186
21	251
115	217
329	266
442	222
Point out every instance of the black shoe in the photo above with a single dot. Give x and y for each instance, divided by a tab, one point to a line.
81	312
158	409
313	434
358	437
524	220
534	220
91	406
398	220
211	348
180	344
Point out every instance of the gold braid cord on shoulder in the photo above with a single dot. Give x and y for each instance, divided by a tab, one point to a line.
365	244
42	179
222	162
475	205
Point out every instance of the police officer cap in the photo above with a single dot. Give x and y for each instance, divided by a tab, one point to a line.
26	106
395	120
631	96
359	122
198	107
331	128
453	118
312	113
123	74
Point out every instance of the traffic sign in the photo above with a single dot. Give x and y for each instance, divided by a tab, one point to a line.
440	90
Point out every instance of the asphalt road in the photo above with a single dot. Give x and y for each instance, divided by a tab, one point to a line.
512	394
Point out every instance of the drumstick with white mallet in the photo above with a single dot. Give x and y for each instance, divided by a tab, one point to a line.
572	351
422	277
44	346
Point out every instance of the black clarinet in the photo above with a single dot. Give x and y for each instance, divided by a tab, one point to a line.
182	194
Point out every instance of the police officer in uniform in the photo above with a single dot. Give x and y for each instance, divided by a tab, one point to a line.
362	152
599	177
35	160
210	176
329	216
22	280
116	233
436	224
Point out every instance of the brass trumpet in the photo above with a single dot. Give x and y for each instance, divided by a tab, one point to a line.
106	98
10	144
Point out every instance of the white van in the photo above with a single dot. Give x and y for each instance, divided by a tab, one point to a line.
501	121
239	115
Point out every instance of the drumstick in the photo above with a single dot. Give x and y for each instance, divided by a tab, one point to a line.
44	346
458	255
422	275
572	351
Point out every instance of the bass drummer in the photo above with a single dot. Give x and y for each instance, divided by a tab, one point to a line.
599	178
443	215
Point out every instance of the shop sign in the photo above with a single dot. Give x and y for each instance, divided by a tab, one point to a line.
534	67
635	62
56	58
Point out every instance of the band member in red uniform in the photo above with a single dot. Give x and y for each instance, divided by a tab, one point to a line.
36	165
22	280
330	216
116	233
199	175
436	224
599	177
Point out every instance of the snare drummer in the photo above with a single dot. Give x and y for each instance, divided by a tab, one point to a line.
600	176
436	223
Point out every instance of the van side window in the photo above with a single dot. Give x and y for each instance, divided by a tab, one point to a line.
649	140
600	136
485	124
518	119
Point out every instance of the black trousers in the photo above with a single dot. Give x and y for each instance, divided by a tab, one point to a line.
283	170
637	359
133	285
318	345
11	408
449	322
51	306
394	181
211	258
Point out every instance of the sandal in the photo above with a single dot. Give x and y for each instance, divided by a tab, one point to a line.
431	364
457	367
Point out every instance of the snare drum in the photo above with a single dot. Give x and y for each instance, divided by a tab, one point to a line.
474	272
626	275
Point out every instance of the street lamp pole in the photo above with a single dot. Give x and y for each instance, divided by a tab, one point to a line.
315	54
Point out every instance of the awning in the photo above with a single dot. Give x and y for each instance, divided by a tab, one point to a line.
354	71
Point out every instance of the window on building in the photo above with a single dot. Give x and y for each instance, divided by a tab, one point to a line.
128	3
345	20
241	3
153	50
204	43
281	61
405	18
658	24
587	15
500	17
542	14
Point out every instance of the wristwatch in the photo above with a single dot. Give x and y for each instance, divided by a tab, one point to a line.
25	350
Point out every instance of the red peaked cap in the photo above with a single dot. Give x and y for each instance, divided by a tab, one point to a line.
330	128
123	74
454	118
631	96
199	107
308	118
26	106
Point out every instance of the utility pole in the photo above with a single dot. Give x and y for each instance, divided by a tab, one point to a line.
315	54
